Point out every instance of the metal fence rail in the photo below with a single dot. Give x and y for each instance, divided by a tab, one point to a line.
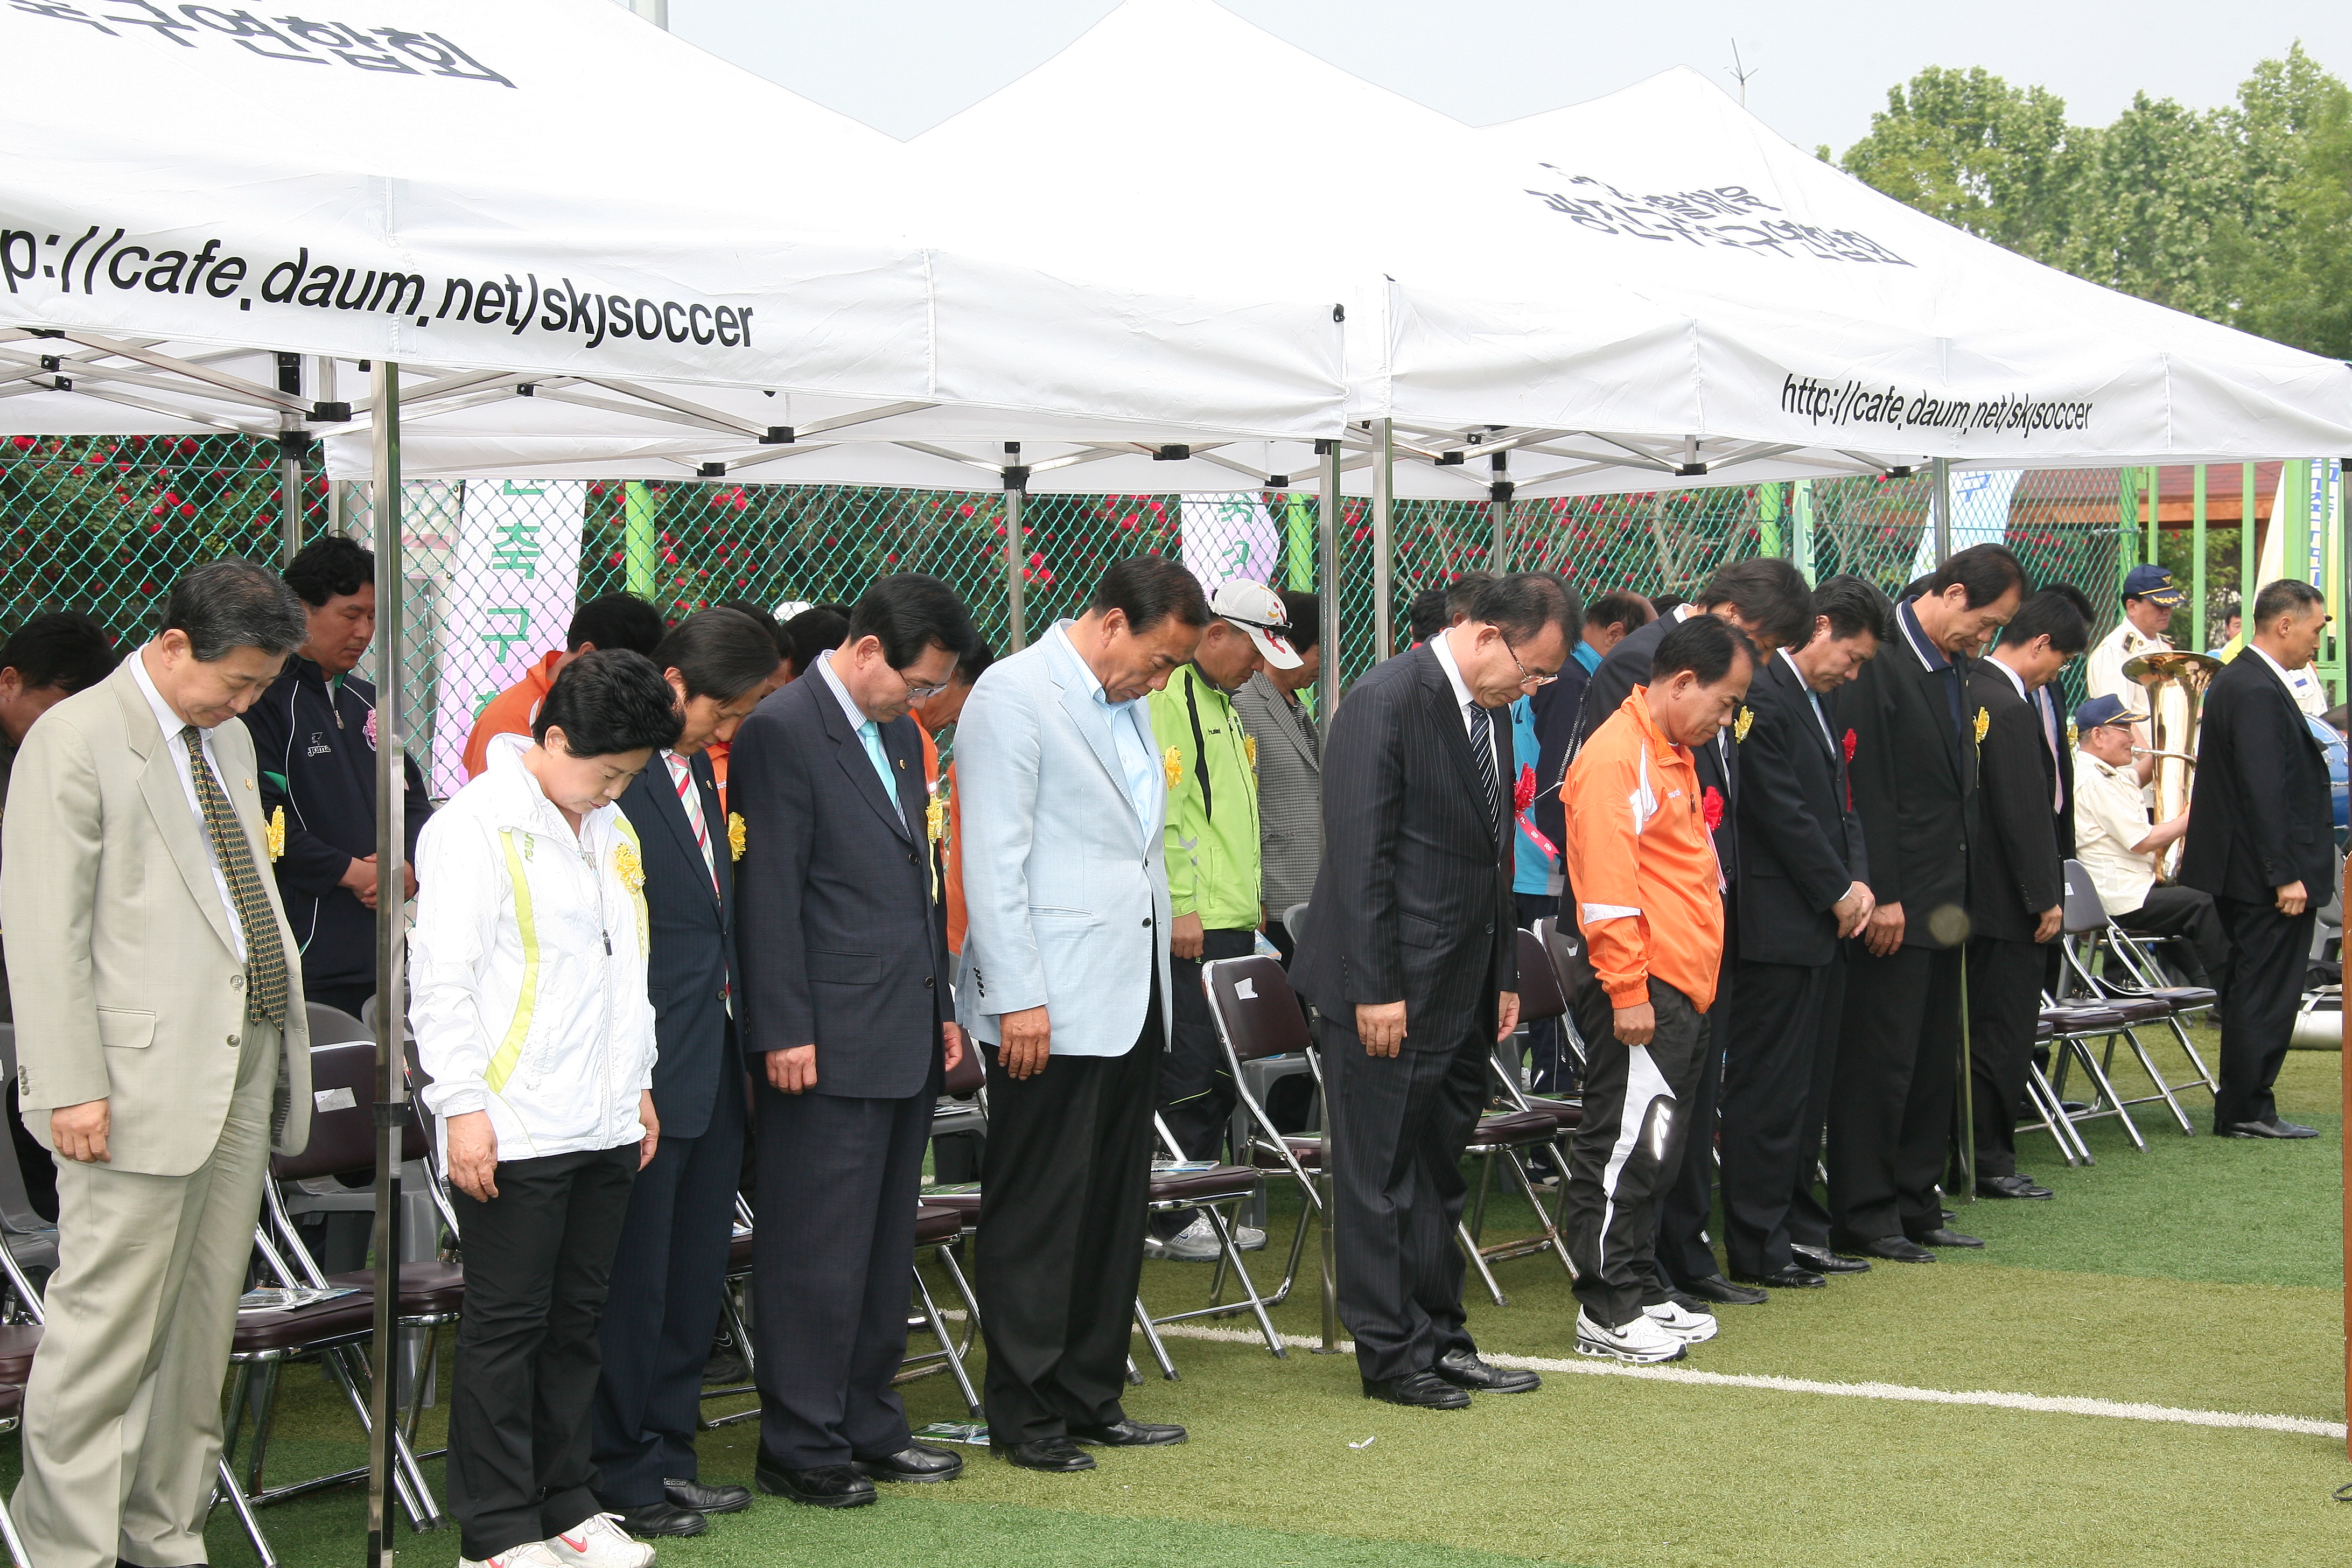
105	524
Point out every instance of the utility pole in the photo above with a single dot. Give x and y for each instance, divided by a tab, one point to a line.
1738	71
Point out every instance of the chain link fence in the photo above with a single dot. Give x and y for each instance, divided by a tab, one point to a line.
105	524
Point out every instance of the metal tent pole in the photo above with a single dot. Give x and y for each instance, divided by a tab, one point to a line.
291	440
1383	505
2196	563
1016	486
1939	505
1327	577
391	933
2249	551
1498	504
1800	526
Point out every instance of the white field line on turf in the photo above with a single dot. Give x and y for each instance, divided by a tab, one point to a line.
2048	1404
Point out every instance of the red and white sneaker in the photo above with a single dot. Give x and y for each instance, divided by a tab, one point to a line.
531	1554
599	1542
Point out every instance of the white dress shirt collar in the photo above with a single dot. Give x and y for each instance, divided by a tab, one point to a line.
1443	649
2277	668
171	723
840	692
2014	679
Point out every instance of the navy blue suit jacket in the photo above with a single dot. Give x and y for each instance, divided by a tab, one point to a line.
842	943
690	969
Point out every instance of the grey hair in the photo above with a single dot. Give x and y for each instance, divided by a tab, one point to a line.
233	604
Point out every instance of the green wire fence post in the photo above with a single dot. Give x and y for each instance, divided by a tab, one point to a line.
640	539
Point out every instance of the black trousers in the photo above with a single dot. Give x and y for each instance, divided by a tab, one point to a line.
1196	1093
537	1259
2268	953
2004	1002
832	1260
1774	1048
1637	1104
1891	1101
1809	1216
1061	1234
667	1273
1686	1201
1398	1126
2185	912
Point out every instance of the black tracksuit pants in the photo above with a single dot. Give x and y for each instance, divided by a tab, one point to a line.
1398	1127
1686	1203
1197	1095
1637	1116
2268	954
1063	1189
1774	1100
1891	1101
2004	1005
537	1259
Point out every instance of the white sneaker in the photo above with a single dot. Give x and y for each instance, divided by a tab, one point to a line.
1197	1242
599	1542
1643	1339
1691	1328
531	1554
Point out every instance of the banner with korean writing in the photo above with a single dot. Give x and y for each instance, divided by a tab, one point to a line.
514	578
1227	537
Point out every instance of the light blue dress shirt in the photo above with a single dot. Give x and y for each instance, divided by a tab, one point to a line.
867	732
1129	724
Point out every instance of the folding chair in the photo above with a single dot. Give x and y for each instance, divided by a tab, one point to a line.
1540	998
2073	1026
2049	1115
2085	921
342	1143
20	1334
941	1230
1571	968
1258	1018
29	1238
1213	1190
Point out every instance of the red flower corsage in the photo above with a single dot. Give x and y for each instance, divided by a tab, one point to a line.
1849	777
1711	806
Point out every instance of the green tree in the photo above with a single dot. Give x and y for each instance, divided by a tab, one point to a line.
1966	147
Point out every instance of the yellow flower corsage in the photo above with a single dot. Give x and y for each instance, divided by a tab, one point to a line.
1984	722
736	835
1249	750
275	833
1739	726
1172	763
629	867
2074	736
935	818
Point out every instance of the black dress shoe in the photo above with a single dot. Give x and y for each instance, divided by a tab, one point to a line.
704	1498
2011	1186
1420	1390
1717	1289
1126	1434
826	1486
1462	1369
2274	1128
1893	1248
1686	1301
1792	1277
915	1462
662	1519
1943	1236
1054	1456
1824	1262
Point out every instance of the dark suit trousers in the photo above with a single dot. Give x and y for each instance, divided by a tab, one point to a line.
2268	953
1773	1047
2005	1004
1685	1205
1398	1125
1196	1093
1636	1123
1809	1217
1062	1190
2187	912
667	1278
1891	1101
832	1258
538	1259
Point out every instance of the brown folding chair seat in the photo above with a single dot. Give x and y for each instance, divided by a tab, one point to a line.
2089	935
2073	1026
1257	1015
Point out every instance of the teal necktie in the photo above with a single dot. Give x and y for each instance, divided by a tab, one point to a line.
871	734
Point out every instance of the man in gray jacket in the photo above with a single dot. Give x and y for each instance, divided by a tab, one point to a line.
1289	770
1066	981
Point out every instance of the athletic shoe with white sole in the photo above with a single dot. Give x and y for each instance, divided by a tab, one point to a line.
1691	1328
599	1542
1197	1242
1643	1339
531	1554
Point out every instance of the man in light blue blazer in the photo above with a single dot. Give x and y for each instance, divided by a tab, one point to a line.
1061	802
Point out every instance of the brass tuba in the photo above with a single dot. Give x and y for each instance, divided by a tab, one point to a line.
2176	679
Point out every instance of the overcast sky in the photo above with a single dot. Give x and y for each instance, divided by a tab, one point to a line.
1819	69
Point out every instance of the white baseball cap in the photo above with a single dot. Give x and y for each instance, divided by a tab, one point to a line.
1257	610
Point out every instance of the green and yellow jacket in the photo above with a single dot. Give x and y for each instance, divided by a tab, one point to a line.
1212	768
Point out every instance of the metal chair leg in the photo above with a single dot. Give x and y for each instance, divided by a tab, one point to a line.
245	1516
1257	1304
264	1387
947	1345
1552	1233
2147	1066
1151	1338
16	1542
1478	1260
2099	1076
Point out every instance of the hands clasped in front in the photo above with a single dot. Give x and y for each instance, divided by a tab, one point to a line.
1380	1025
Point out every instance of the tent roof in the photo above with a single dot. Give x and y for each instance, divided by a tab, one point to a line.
554	192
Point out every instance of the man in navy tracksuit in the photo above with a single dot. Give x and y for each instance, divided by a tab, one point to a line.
314	734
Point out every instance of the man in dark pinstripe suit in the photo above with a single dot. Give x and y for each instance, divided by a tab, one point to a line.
1409	957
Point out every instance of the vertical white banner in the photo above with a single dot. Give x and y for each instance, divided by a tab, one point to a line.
1227	537
514	579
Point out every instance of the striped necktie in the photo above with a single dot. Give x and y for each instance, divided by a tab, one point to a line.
1481	753
265	954
681	774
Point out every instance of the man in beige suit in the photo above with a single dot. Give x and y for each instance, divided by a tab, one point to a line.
159	1012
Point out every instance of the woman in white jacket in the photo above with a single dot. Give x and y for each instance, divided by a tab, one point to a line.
529	1002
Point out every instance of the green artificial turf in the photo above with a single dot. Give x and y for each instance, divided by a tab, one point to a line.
2201	1273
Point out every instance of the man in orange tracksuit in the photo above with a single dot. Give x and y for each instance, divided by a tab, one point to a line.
1640	855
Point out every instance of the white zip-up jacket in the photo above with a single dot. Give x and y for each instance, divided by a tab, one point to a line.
527	993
